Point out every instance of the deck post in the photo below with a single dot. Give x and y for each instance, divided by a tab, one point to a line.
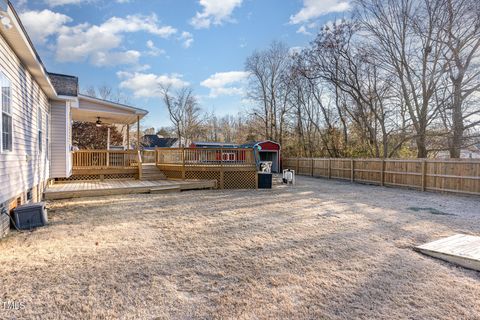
222	171
183	164
138	132
108	146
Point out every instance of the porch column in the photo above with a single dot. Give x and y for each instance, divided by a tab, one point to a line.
128	137
108	146
108	138
138	132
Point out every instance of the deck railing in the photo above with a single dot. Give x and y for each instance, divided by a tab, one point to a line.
202	157
104	159
232	168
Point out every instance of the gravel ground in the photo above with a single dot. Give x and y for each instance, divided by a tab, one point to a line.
321	249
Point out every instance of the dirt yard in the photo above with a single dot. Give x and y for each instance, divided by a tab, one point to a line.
322	249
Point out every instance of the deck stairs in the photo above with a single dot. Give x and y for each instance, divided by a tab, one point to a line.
151	172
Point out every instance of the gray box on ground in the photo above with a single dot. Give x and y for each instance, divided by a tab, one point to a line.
30	216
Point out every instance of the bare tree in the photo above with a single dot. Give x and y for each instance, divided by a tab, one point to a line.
462	109
184	113
106	92
411	47
268	87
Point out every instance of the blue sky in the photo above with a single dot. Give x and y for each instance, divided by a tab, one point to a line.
136	45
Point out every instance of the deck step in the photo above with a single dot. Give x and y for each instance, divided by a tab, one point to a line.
151	172
166	189
461	249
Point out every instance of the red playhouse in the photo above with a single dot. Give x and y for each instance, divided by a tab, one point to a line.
267	151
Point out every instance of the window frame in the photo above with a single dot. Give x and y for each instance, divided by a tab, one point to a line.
4	78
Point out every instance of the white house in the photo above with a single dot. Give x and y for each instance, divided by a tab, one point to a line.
37	111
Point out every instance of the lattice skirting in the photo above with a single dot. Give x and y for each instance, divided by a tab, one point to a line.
97	177
204	175
240	180
232	179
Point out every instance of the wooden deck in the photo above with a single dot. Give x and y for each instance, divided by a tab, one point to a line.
460	249
114	187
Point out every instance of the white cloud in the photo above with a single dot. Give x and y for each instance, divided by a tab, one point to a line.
313	9
42	24
115	58
153	50
99	44
56	3
214	12
303	30
226	83
186	38
146	85
96	42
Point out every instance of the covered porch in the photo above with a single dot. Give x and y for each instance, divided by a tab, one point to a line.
69	162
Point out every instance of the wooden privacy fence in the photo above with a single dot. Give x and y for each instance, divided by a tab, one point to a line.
232	168
459	176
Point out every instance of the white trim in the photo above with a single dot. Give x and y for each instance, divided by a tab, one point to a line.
137	111
32	53
2	151
278	144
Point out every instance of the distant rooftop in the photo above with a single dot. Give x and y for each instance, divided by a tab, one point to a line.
154	141
200	144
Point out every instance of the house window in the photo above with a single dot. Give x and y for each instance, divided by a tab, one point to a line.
7	125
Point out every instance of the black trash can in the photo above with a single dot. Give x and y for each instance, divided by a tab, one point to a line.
264	180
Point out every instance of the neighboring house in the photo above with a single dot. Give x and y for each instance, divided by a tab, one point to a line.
37	110
152	141
472	152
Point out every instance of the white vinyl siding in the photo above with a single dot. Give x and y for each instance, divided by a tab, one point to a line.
60	146
24	167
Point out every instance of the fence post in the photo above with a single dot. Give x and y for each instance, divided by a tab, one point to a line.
329	168
313	161
352	170
298	166
424	174
382	174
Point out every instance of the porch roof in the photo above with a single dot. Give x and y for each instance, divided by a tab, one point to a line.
89	109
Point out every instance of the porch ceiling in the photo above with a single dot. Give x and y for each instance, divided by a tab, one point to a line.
89	109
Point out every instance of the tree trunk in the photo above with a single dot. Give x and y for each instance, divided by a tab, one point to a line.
421	146
458	127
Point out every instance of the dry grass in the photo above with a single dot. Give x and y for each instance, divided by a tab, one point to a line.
323	249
